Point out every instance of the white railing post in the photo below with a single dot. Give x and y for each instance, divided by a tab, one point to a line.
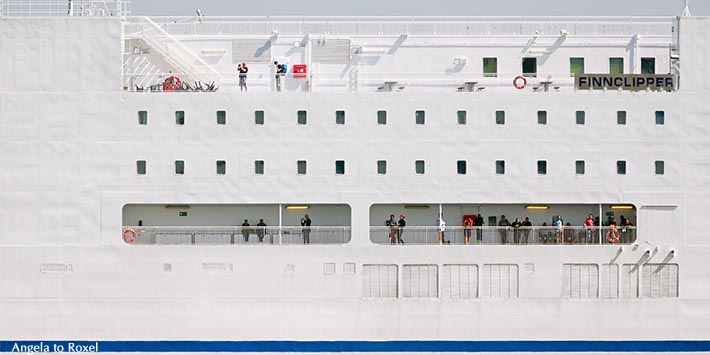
280	223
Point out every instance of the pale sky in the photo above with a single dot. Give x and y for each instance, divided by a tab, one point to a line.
419	7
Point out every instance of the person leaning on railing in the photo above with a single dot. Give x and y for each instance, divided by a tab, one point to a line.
393	227
400	228
478	223
261	230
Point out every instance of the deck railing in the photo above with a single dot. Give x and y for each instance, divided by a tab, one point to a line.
220	235
538	235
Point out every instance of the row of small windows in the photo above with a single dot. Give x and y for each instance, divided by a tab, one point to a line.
576	66
419	117
419	167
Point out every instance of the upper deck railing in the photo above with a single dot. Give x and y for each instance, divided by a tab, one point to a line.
221	235
398	25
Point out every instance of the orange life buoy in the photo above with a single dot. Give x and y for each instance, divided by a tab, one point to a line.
172	83
129	235
520	86
613	235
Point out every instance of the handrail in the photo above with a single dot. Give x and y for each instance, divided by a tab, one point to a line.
221	235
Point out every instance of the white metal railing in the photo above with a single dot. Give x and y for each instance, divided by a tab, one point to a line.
85	8
219	235
395	26
175	53
152	81
538	235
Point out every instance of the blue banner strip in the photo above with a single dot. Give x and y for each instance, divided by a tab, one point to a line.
164	346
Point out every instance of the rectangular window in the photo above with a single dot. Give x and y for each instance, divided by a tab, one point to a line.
659	281
339	117
579	167
180	117
419	167
616	65
660	117
419	117
259	117
648	65
340	167
140	167
576	66
459	281
221	117
500	167
580	117
500	117
499	281
580	280
490	67
461	167
302	117
420	281
379	281
259	167
660	167
542	117
381	117
221	167
621	117
621	167
461	117
179	167
382	167
301	167
530	67
542	167
143	117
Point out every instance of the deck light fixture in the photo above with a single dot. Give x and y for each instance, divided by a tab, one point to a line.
537	207
298	207
622	207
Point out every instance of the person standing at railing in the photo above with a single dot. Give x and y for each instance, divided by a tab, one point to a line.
544	233
246	230
503	225
589	228
400	228
393	226
516	230
306	224
242	69
442	228
279	71
526	226
467	225
478	223
626	231
261	230
559	223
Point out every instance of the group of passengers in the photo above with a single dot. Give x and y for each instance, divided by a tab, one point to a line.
260	229
279	71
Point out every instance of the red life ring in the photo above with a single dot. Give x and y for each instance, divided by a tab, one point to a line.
172	83
129	235
520	86
613	235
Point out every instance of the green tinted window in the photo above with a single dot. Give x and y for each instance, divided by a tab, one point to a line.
461	116
259	117
616	65
648	65
461	167
500	117
301	167
490	67
221	117
576	66
302	117
339	117
500	167
542	167
259	167
660	167
382	167
530	67
221	167
419	117
143	117
542	117
621	117
340	167
381	117
140	167
419	167
579	167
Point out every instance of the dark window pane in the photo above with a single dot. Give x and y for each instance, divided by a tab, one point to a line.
580	117
621	117
660	167
648	65
259	167
541	167
530	67
660	117
419	117
302	167
490	67
221	167
382	167
461	167
621	167
500	117
340	167
339	117
542	117
381	117
180	117
302	117
576	66
221	117
179	167
461	117
143	117
419	167
500	167
579	167
259	117
616	65
140	167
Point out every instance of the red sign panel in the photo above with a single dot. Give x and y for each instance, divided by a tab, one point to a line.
299	70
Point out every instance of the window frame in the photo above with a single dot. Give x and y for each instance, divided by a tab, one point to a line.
496	117
224	122
224	166
417	163
483	64
420	114
577	165
544	117
623	69
256	117
257	166
522	67
662	165
337	115
577	117
178	119
465	117
175	166
299	114
662	117
143	121
641	60
138	167
626	115
298	167
384	115
384	171
573	74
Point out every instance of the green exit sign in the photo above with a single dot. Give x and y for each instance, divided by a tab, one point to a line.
608	214
183	214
